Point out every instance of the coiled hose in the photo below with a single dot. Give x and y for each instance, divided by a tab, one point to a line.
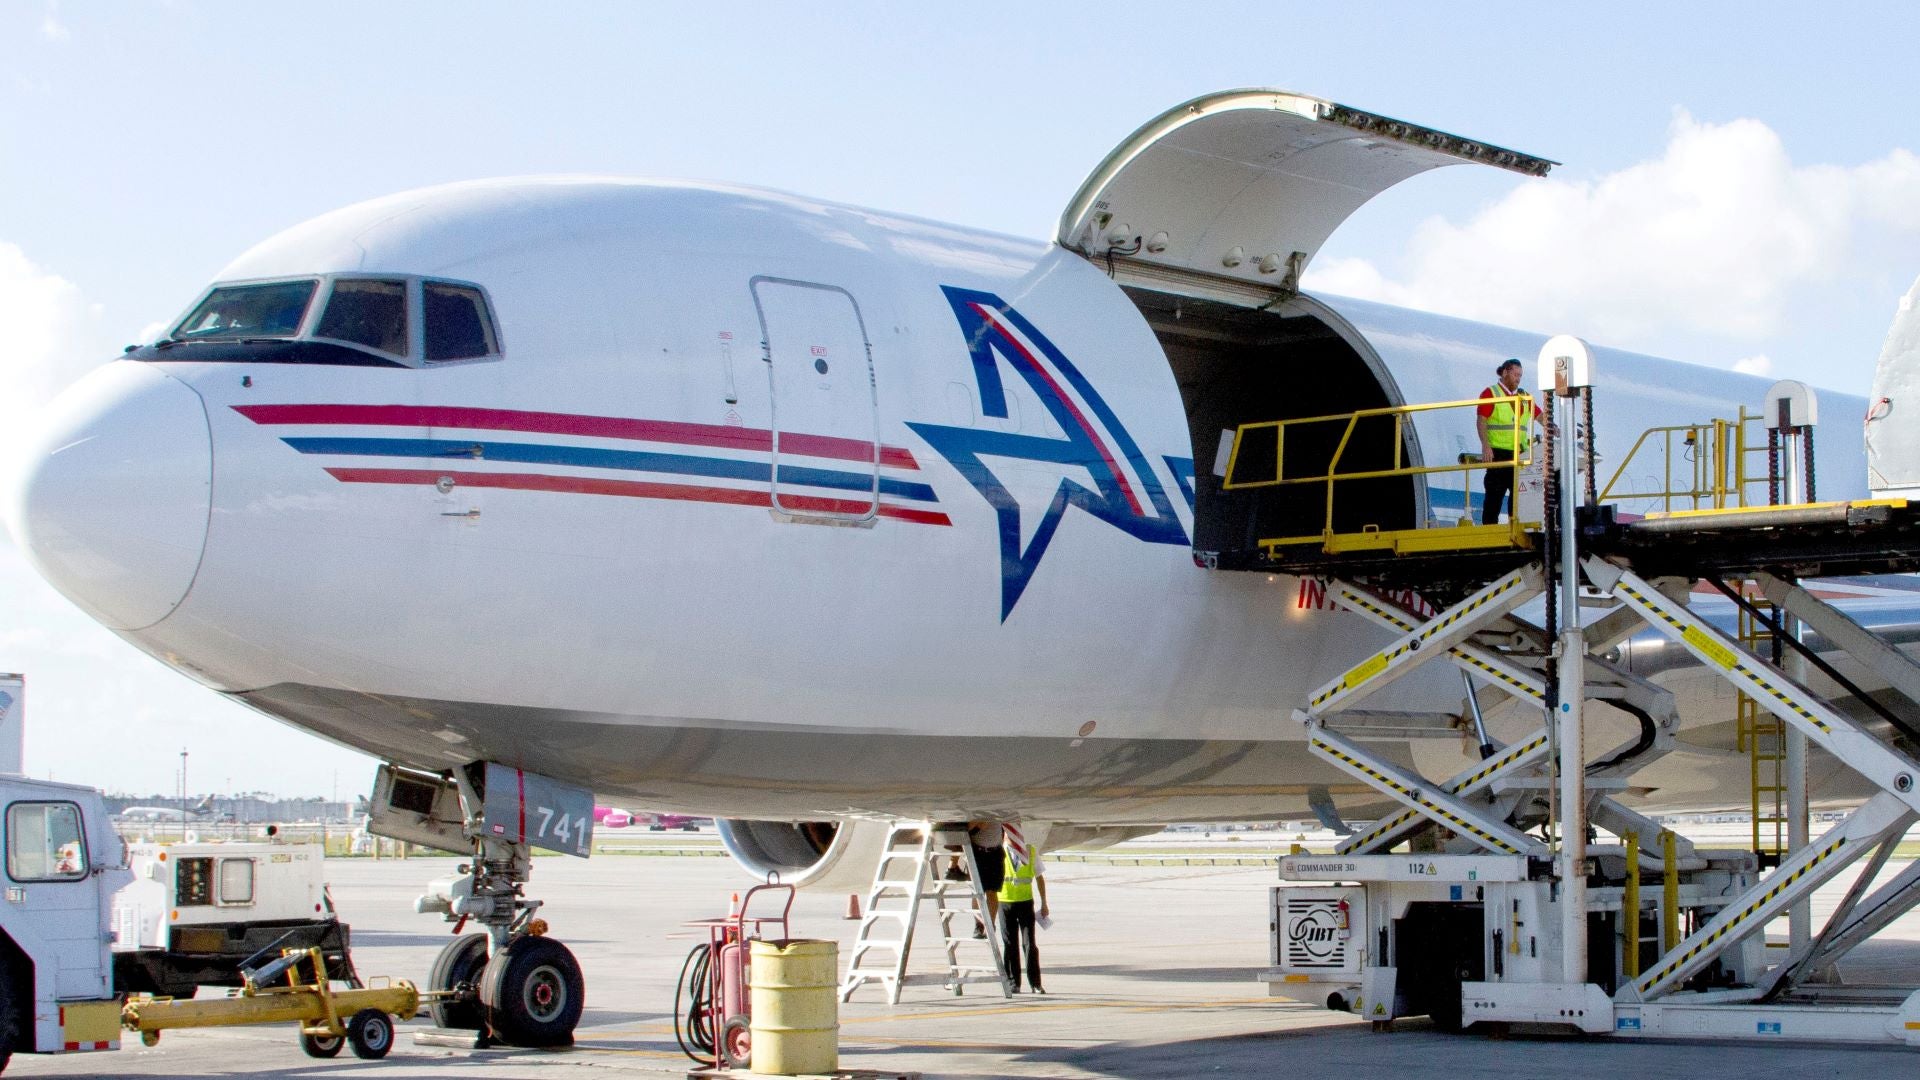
693	1025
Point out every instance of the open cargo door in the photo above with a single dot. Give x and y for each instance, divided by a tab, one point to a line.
1207	216
1247	184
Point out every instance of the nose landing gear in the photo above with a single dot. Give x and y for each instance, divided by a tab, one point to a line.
511	983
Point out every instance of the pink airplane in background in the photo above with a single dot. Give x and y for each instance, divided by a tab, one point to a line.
612	817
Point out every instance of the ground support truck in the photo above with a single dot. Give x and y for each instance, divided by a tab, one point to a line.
186	915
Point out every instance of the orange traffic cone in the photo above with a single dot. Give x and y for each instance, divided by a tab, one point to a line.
853	907
733	906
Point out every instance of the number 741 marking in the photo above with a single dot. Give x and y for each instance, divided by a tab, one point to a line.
561	827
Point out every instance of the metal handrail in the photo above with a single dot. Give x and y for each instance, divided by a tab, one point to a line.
1720	477
1352	420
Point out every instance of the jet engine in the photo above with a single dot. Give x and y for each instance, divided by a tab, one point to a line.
840	856
835	856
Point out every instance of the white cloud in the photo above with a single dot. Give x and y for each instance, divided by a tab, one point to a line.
53	336
1714	237
51	27
1760	364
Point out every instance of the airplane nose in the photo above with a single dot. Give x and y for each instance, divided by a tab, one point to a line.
113	493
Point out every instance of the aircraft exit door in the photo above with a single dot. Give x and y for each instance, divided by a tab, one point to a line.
825	413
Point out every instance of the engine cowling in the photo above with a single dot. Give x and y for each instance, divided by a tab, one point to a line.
840	856
828	855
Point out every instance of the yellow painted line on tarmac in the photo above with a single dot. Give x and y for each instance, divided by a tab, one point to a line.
969	1013
1159	1006
1126	1005
948	1044
629	1051
1057	1006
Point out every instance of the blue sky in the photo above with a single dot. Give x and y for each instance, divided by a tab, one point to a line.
1738	185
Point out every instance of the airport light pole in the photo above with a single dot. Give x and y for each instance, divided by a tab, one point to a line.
183	794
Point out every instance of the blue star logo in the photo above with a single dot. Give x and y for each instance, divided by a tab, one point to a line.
1122	490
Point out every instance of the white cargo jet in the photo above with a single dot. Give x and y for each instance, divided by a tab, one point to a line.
201	811
792	513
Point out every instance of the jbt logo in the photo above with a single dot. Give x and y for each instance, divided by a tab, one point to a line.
1316	933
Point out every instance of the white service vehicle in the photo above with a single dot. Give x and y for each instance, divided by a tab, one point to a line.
83	924
194	911
64	864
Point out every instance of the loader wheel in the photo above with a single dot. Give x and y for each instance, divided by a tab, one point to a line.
736	1043
462	961
533	993
371	1033
322	1046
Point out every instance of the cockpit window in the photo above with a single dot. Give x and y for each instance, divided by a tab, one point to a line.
457	323
249	311
361	320
370	313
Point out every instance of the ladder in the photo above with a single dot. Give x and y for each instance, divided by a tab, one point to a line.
907	874
1764	738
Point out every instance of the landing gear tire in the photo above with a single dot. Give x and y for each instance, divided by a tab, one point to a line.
533	993
462	961
371	1034
736	1043
322	1046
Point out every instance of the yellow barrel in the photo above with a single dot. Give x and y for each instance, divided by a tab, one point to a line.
796	1006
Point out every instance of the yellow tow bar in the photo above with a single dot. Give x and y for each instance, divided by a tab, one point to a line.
328	1018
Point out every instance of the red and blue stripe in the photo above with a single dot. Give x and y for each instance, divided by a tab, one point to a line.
673	457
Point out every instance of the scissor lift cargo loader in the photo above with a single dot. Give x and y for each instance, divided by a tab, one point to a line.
1499	911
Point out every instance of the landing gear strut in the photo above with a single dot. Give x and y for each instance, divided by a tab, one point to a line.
509	982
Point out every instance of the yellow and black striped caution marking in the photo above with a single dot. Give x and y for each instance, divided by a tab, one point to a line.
1509	681
1405	817
1379	662
1405	625
1501	761
1354	598
1725	658
1393	784
1780	885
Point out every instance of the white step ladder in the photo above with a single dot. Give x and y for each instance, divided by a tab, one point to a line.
906	875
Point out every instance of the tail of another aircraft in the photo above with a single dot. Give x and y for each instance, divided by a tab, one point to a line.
1892	436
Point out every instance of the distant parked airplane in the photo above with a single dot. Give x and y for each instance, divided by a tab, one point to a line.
611	817
200	811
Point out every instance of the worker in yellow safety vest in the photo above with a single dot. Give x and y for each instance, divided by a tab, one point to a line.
1499	427
1017	916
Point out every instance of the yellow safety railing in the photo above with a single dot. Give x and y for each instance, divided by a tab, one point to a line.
1511	534
1716	474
